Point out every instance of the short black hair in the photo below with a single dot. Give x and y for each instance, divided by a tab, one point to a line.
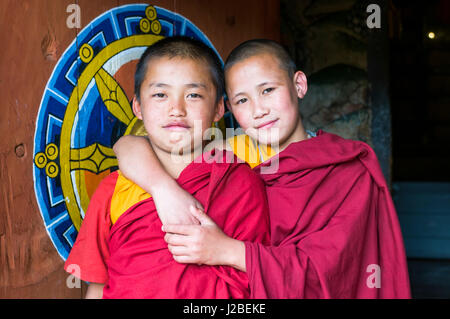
183	47
254	47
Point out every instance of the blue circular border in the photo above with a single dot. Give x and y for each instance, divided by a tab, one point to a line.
112	25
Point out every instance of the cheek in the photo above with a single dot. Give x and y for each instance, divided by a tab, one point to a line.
287	107
152	118
206	123
203	114
243	117
151	114
288	110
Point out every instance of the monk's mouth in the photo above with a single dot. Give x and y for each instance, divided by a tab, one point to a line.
267	125
176	127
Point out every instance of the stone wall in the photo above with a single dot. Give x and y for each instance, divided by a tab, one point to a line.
328	43
346	66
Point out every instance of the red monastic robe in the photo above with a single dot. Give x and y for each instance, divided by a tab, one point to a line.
334	229
141	266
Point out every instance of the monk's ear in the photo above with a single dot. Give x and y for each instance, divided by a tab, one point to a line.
227	104
220	110
137	108
300	83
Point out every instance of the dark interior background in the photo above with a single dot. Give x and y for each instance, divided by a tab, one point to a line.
420	91
420	103
389	87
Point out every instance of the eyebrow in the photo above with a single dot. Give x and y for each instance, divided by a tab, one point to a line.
158	85
259	85
264	83
196	85
240	93
189	85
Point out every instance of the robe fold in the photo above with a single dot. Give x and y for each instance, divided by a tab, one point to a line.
141	266
334	228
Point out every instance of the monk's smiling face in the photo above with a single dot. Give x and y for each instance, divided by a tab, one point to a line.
263	99
177	94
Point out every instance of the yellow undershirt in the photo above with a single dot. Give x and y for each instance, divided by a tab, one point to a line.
249	150
126	193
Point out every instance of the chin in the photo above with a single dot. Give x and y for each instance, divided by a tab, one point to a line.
185	149
269	137
179	149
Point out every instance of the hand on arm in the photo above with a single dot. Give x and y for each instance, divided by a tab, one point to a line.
139	163
204	244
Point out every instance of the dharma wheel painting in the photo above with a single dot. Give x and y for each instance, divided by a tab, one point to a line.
84	110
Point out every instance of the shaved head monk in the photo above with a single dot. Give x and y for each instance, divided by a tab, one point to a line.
120	249
334	229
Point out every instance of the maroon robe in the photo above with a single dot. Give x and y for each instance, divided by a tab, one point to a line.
334	229
140	264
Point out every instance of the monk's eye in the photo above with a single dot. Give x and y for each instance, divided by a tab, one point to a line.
159	95
241	101
194	96
268	90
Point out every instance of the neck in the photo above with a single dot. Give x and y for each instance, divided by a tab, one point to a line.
174	164
299	134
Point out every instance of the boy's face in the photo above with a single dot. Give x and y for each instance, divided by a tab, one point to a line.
263	99
176	93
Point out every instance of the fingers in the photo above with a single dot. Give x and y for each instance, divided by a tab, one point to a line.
199	206
179	229
181	255
195	221
196	206
178	250
201	216
185	260
175	240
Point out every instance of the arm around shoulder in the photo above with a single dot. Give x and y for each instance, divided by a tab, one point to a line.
139	163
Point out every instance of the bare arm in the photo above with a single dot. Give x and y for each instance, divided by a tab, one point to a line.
247	221
94	291
139	163
206	244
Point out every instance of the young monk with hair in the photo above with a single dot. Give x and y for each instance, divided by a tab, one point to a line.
334	229
120	248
